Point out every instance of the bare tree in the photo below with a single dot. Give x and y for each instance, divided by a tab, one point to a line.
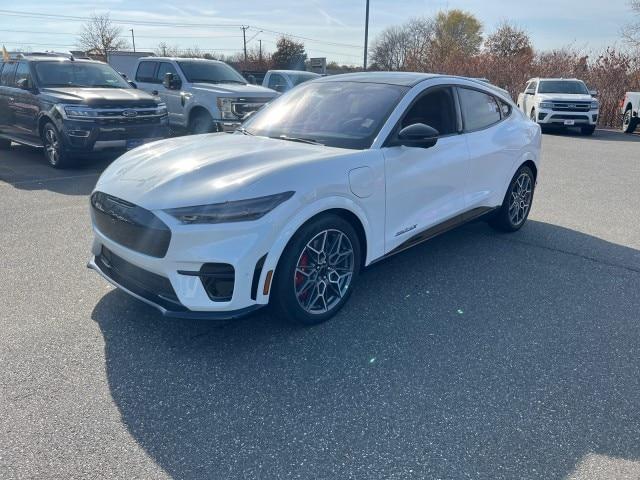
631	31
404	47
101	35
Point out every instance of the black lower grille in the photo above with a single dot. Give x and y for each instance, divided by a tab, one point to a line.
151	286
570	117
130	225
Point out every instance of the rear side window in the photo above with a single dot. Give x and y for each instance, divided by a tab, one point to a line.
163	69
146	72
23	73
6	77
479	110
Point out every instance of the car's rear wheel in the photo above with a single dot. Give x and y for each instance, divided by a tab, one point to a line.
513	213
317	271
533	115
5	144
54	150
628	122
201	122
588	130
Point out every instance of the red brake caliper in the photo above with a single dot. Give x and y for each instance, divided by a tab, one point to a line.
304	261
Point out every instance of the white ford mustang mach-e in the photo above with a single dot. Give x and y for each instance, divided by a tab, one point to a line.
330	177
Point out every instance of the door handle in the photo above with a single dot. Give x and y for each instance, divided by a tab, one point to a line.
154	92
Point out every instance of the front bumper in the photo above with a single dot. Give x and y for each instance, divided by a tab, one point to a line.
567	118
84	136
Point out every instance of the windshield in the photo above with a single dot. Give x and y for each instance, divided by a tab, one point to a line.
336	114
210	72
298	78
78	74
563	86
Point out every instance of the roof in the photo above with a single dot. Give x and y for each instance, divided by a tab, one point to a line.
405	79
293	72
540	79
177	59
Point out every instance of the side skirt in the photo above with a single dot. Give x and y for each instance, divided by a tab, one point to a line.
438	230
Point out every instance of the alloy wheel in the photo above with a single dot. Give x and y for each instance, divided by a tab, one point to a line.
324	271
521	195
52	146
626	122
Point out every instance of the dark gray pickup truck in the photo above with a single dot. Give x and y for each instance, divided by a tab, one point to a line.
74	108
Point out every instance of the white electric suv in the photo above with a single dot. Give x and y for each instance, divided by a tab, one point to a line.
332	176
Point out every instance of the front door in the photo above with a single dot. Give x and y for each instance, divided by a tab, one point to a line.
25	105
172	97
425	187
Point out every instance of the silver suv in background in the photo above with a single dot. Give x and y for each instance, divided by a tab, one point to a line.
201	95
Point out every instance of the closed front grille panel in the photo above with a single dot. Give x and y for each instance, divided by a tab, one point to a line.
130	225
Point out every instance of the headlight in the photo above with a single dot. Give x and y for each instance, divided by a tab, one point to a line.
79	112
236	211
595	105
162	109
225	105
547	105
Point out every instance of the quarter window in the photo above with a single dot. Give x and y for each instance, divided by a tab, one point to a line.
479	110
146	72
6	78
435	108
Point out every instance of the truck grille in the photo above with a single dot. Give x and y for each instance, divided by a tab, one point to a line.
571	106
130	225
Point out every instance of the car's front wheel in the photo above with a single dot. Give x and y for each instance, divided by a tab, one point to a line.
54	149
516	205
317	271
628	122
201	122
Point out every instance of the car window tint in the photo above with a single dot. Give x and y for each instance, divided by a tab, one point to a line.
479	110
276	80
146	72
436	109
163	69
533	86
6	77
22	73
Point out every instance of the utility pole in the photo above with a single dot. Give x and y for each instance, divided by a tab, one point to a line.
260	56
366	35
244	39
133	39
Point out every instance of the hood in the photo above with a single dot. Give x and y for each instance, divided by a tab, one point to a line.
236	89
202	169
565	97
100	96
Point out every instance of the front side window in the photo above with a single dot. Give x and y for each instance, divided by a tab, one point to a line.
6	77
437	109
301	77
277	82
335	113
209	72
479	110
78	74
146	72
163	69
22	73
563	86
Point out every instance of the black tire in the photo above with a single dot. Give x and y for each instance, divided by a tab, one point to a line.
588	130
201	122
290	284
5	144
54	149
533	115
629	123
503	219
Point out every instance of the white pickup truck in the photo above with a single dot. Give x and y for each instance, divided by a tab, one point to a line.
560	102
630	109
201	95
284	80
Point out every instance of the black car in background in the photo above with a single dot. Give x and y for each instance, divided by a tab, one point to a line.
74	108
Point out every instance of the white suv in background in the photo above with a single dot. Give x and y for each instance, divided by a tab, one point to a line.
330	177
201	95
560	102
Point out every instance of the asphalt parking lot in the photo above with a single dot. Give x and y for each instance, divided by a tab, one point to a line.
474	355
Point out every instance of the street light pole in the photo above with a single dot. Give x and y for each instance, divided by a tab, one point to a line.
366	35
244	39
133	39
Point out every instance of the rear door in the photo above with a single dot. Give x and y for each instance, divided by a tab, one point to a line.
25	105
7	98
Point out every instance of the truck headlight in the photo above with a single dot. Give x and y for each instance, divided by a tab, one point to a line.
595	105
79	112
236	211
225	105
162	109
546	105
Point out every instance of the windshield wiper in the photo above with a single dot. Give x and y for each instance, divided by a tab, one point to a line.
310	141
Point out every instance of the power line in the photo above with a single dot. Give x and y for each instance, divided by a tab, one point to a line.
159	36
27	44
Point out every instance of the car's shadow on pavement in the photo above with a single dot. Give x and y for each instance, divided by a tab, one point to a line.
607	135
26	168
475	355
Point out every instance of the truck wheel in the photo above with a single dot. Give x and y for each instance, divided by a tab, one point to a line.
201	122
54	149
533	115
588	130
5	144
628	122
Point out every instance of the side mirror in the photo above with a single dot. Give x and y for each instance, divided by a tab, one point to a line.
593	93
418	135
252	79
171	82
133	84
123	75
23	84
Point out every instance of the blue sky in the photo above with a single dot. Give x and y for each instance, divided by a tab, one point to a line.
336	26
